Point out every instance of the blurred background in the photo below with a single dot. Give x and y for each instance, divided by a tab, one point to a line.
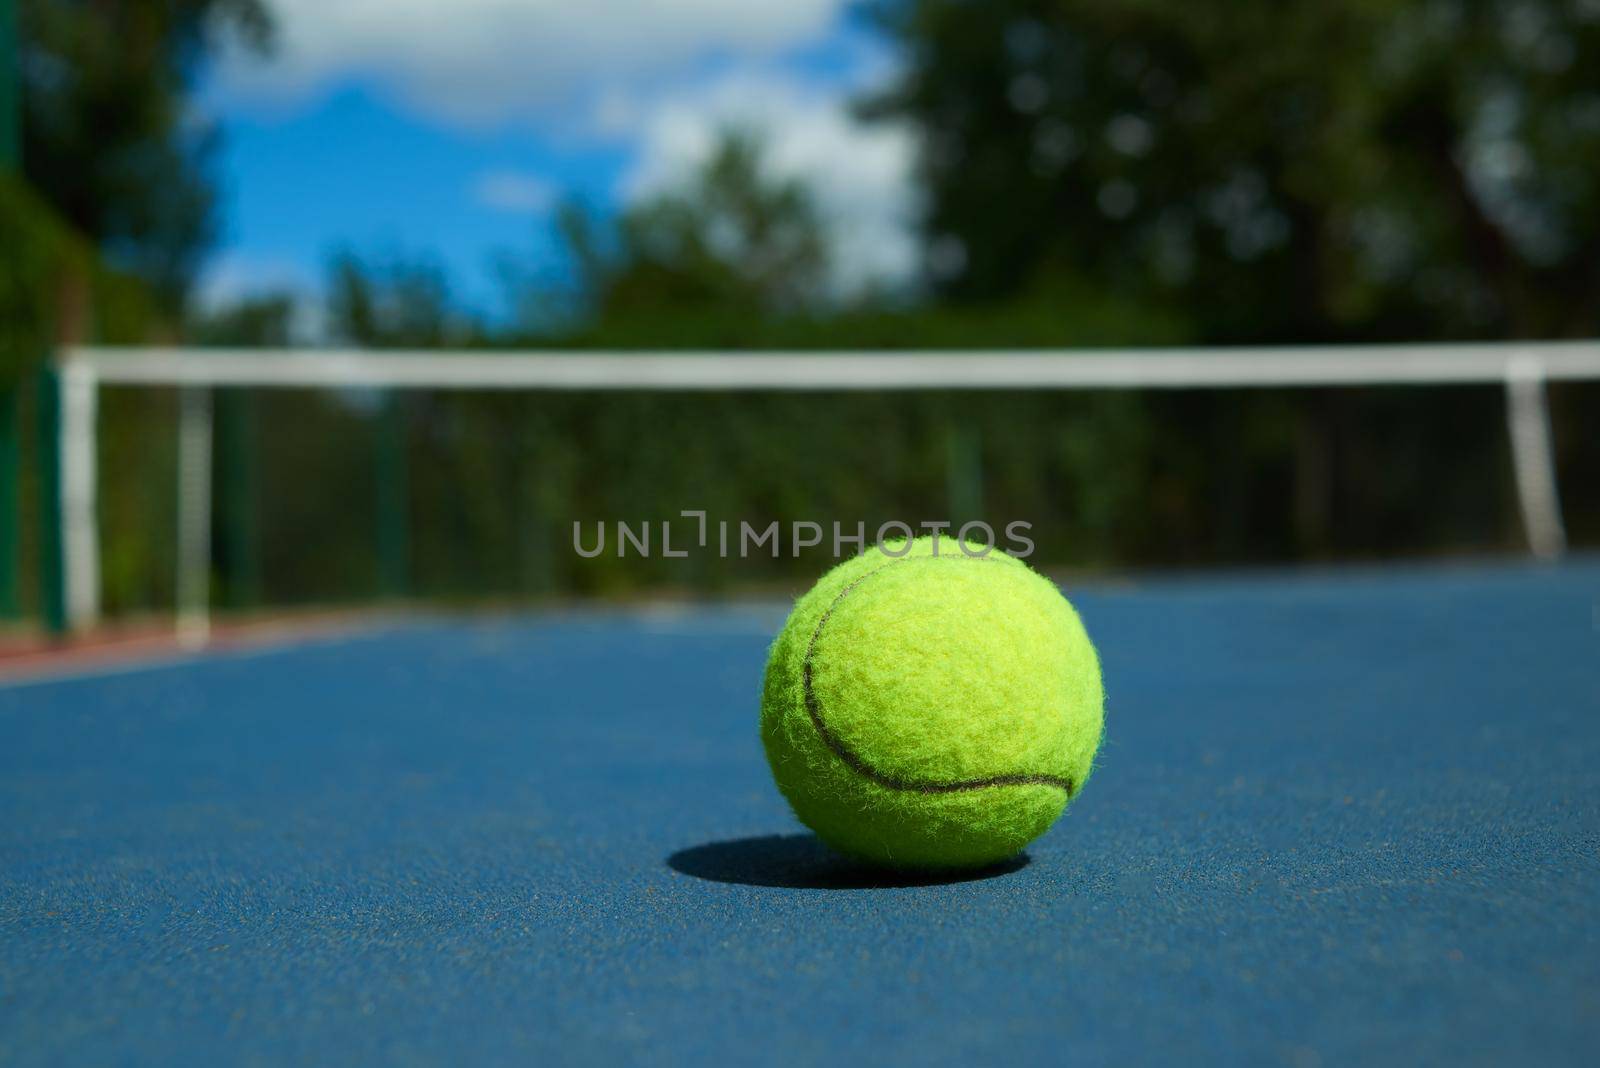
818	174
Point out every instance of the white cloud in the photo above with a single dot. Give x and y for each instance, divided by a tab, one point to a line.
514	192
231	278
859	173
484	61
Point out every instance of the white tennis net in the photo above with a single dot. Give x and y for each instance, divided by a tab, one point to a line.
1522	368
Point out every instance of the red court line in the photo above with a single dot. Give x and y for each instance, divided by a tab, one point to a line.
26	655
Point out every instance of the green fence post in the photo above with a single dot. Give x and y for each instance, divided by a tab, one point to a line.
52	573
10	161
11	504
963	474
10	90
237	483
533	541
394	541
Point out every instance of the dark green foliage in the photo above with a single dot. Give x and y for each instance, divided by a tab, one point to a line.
259	320
394	302
108	137
51	283
1573	407
35	248
732	238
1286	171
496	482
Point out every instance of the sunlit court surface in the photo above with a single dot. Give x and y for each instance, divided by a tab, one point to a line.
889	532
1337	814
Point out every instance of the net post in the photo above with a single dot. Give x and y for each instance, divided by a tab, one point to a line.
1533	456
194	516
79	523
393	492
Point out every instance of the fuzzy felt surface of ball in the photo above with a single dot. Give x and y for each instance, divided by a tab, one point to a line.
931	709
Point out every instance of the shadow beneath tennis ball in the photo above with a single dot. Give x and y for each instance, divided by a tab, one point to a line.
801	862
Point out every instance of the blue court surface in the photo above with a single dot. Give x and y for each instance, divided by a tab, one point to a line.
1340	817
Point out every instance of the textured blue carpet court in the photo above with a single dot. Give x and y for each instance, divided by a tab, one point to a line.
1338	817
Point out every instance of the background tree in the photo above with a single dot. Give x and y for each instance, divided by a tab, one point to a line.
1289	171
731	235
109	138
394	301
266	319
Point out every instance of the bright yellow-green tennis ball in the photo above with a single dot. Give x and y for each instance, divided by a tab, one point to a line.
931	711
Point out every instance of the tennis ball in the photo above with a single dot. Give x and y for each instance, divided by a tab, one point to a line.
931	710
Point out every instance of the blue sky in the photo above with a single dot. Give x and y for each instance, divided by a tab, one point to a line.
381	126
